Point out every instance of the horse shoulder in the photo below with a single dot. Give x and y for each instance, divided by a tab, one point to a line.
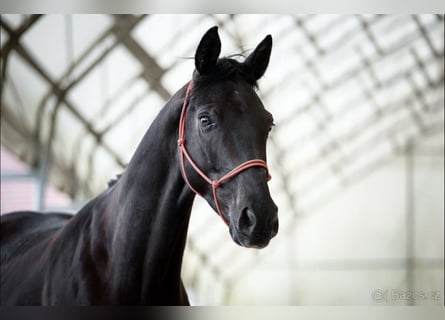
21	231
24	241
76	268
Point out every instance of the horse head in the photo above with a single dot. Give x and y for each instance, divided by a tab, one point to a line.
226	126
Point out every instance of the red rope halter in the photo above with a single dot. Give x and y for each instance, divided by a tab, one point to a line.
214	183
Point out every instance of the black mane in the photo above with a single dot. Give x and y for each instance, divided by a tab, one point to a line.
226	69
114	180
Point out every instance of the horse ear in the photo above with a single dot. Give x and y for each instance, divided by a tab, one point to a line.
208	51
258	60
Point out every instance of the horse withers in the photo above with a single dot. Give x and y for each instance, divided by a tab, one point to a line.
126	245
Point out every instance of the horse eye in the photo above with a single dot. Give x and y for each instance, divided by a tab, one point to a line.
205	121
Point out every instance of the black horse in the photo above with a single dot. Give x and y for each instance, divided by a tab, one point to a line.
126	245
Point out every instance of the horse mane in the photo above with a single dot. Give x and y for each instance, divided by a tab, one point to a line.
227	68
114	180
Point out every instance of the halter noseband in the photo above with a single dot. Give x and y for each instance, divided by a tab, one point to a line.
214	183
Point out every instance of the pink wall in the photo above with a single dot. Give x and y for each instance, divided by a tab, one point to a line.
21	194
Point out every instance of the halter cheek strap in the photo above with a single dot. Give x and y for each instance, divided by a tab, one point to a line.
214	183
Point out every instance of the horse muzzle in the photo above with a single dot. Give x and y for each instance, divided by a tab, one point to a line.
254	230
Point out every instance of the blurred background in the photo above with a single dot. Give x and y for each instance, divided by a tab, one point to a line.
357	154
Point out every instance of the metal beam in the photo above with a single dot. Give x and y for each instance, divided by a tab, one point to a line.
153	72
410	230
61	95
14	38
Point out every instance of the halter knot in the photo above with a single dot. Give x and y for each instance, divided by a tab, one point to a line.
215	184
181	142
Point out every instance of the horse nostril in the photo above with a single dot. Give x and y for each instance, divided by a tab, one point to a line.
275	228
247	221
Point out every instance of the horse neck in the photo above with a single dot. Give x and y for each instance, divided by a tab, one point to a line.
148	224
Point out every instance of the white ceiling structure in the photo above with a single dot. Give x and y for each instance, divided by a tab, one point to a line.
347	94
